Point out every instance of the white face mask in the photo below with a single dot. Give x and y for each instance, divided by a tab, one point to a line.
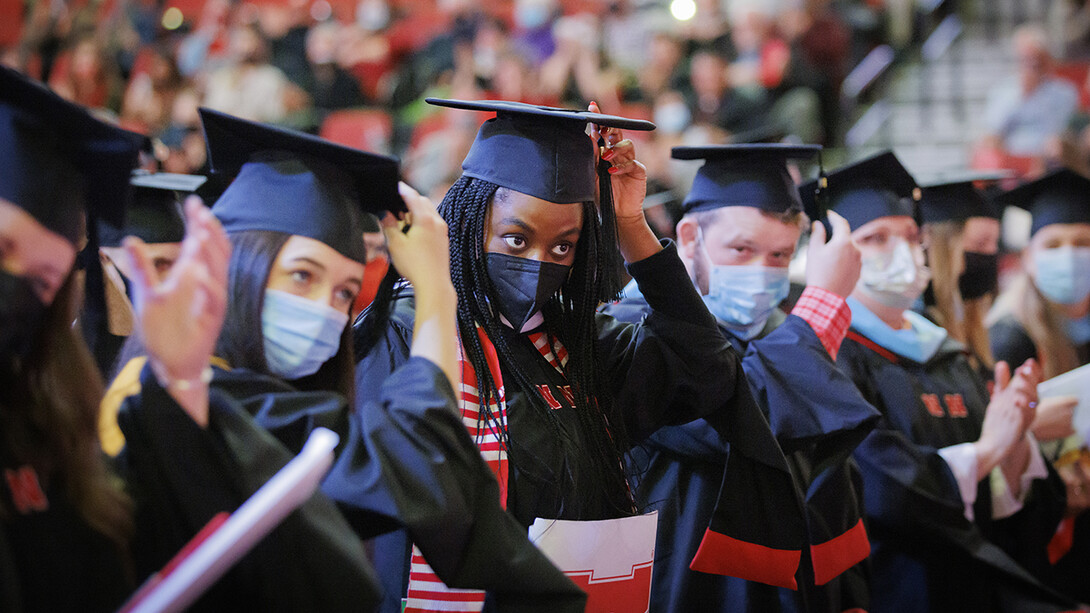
895	278
300	334
1063	274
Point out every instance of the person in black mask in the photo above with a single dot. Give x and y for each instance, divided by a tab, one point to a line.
961	229
555	392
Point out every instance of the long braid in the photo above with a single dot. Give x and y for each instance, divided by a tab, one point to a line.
465	209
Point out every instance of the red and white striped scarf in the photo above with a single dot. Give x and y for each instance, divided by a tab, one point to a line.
427	593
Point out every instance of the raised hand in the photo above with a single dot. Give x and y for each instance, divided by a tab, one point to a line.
420	249
180	316
628	182
1009	414
835	265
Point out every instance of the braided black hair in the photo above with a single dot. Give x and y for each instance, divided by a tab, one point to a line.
569	316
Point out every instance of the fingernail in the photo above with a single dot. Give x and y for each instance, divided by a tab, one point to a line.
609	155
614	170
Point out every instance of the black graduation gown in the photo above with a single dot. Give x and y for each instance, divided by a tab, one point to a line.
926	555
671	368
817	416
406	460
1071	573
181	476
50	558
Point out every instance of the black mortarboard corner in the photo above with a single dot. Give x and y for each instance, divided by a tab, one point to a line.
753	175
545	152
57	160
287	181
878	186
155	212
1062	196
956	197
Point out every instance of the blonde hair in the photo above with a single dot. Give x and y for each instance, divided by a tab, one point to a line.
1041	321
945	257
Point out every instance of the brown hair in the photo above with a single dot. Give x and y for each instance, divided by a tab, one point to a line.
945	258
49	419
790	217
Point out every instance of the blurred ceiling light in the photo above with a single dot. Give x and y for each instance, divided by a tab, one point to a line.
683	10
172	18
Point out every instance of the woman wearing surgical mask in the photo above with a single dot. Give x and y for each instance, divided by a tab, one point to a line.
77	534
1045	314
947	460
294	217
556	391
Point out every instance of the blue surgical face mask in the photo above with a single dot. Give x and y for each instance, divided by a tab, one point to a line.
744	297
1063	274
300	334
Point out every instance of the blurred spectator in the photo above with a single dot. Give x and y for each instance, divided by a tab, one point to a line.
330	87
713	101
248	86
1028	110
149	99
534	29
85	76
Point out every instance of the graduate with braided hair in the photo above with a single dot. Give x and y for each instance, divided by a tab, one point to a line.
554	393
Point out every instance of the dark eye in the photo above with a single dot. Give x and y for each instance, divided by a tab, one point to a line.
514	241
301	276
562	249
346	295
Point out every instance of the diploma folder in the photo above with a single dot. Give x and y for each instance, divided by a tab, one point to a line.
226	538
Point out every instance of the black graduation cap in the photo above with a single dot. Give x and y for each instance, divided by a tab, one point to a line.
288	181
1062	196
155	213
537	150
752	175
57	160
878	186
956	198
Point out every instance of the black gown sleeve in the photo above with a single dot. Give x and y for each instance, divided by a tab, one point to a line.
1010	342
443	491
181	476
674	366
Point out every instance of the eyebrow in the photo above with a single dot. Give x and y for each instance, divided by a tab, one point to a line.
303	258
514	221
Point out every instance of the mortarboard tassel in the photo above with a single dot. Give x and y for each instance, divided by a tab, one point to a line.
610	262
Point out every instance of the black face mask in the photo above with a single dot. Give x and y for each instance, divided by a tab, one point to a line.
21	314
523	285
981	276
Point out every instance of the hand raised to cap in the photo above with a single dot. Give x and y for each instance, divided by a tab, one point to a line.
833	266
180	316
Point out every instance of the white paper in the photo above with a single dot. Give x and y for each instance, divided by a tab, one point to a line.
286	491
610	559
1072	383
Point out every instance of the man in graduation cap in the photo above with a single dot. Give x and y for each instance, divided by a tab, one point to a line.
959	502
743	219
1045	314
155	216
535	223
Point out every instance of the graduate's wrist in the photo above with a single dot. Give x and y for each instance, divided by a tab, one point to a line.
190	392
635	238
